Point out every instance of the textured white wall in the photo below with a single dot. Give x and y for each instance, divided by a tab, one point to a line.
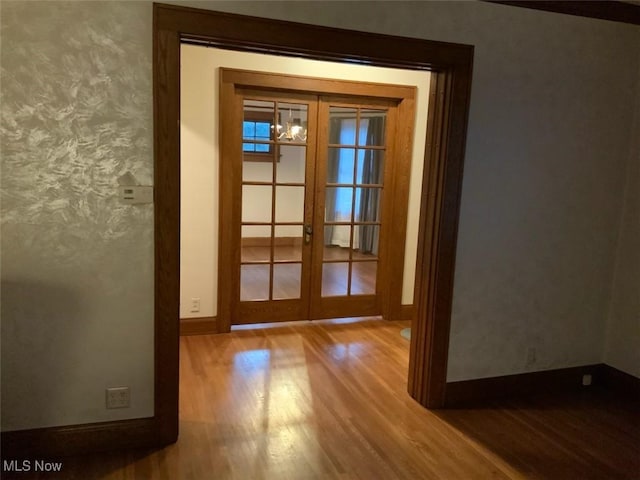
199	190
622	349
547	152
77	266
199	160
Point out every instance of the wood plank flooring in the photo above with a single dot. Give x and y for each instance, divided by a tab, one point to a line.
327	400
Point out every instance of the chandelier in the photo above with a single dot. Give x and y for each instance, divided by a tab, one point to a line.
293	131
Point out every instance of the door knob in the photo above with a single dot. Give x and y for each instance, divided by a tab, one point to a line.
308	231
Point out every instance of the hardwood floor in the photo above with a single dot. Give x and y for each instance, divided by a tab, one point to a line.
327	400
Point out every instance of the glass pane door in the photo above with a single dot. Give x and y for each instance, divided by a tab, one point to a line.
352	190
310	247
274	204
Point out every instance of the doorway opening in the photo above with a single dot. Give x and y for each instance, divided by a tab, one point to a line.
205	275
450	65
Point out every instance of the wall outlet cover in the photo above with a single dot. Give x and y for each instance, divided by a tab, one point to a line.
118	397
195	304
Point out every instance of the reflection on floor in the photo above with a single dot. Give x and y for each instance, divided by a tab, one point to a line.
254	282
325	400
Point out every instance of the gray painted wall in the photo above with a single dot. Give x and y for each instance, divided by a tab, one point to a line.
77	266
549	148
622	348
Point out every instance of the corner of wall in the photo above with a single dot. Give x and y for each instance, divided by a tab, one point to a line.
622	335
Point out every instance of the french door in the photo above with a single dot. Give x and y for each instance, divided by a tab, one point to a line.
309	183
349	255
276	193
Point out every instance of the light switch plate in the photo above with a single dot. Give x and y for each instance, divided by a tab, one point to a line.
136	194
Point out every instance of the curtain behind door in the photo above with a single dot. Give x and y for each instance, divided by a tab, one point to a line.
333	165
370	197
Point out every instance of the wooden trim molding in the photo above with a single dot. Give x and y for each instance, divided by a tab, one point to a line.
406	312
619	381
438	230
475	392
78	439
623	12
314	85
166	133
451	65
198	326
399	181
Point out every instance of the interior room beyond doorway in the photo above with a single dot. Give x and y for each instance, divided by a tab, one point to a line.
199	165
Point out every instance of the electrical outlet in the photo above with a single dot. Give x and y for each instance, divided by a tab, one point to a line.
586	380
195	304
118	397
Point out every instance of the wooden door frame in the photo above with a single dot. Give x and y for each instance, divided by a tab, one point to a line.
400	100
451	65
